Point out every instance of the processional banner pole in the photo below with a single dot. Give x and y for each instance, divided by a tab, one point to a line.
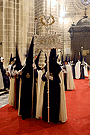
47	42
48	84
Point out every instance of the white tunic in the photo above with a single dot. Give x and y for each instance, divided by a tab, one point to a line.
11	97
63	110
85	70
39	91
77	70
11	92
70	81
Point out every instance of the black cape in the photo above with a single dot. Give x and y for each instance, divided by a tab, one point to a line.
54	89
26	88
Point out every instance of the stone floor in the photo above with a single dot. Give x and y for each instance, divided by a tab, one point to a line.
3	99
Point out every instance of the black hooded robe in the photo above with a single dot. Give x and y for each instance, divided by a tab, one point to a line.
26	94
54	90
26	87
82	71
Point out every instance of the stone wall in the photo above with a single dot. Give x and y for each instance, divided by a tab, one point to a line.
17	27
73	9
1	28
17	23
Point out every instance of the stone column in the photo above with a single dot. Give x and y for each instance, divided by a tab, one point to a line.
26	26
1	28
8	30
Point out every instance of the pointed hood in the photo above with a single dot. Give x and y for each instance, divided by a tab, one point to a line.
45	58
85	58
54	67
18	62
74	59
69	59
66	59
37	59
81	57
29	60
11	59
53	53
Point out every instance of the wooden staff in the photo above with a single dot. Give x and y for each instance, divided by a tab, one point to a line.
48	83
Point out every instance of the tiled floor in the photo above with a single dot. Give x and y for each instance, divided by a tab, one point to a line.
3	100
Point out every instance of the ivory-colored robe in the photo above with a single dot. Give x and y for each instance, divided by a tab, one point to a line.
11	97
63	110
85	70
70	81
77	70
11	92
39	91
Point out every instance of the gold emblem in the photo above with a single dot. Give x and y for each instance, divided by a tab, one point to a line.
46	24
28	75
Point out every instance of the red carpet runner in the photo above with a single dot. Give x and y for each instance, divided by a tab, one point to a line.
78	113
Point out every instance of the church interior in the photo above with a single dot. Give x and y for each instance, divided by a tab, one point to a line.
48	91
18	25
